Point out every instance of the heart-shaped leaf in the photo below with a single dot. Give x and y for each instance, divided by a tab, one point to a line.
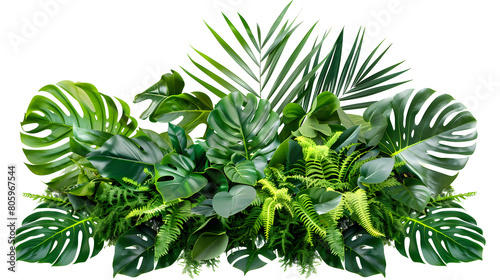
175	178
237	199
322	199
243	172
412	193
192	107
376	171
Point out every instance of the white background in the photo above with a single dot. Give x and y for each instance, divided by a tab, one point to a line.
122	47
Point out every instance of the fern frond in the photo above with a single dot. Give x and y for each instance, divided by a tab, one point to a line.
357	203
338	212
172	228
458	197
333	139
313	183
267	214
253	221
150	210
307	215
389	182
335	241
46	198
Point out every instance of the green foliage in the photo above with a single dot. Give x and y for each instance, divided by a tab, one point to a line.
171	229
326	186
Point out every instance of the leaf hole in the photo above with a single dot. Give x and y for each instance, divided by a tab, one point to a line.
166	178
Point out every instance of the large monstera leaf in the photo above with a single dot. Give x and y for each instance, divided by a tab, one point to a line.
363	253
100	112
44	234
443	235
243	125
435	142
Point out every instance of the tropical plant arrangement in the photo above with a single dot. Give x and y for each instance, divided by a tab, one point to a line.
285	168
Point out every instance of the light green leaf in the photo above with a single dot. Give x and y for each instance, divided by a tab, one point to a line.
236	200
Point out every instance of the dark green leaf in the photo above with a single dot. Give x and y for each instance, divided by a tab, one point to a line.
443	235
248	259
376	171
428	147
242	125
43	235
412	193
137	244
123	157
175	178
209	245
168	85
369	250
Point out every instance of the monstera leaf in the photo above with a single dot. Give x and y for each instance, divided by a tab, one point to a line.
435	142
58	116
368	249
242	125
175	178
43	236
121	157
443	235
248	259
134	245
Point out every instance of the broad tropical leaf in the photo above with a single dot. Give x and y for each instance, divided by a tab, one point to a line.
43	235
435	142
322	199
168	85
376	171
243	172
175	178
121	157
411	193
236	200
209	245
243	125
369	250
50	153
248	259
134	252
443	235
